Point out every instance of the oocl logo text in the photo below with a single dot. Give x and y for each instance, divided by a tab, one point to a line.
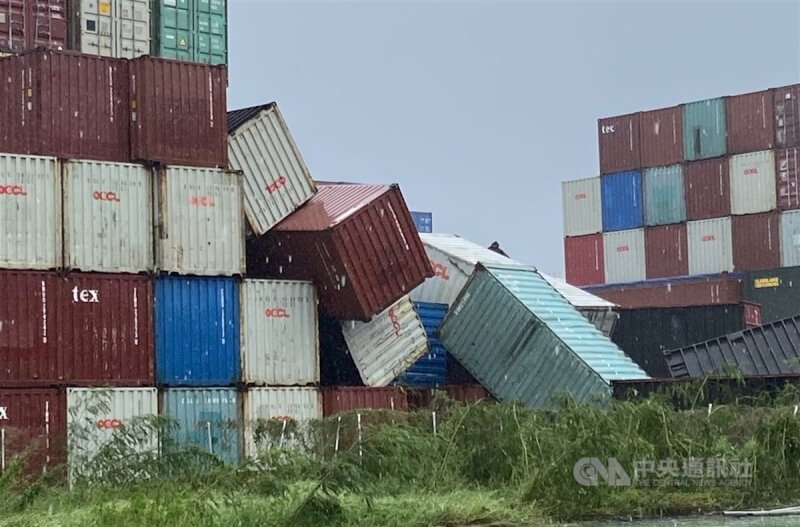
623	248
99	195
275	185
109	424
708	238
440	270
201	201
12	190
750	171
277	312
581	195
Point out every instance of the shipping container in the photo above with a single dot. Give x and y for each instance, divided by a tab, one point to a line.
790	238
541	344
622	202
787	116
707	189
29	24
357	243
280	333
30	212
197	331
776	290
750	122
596	310
336	365
710	246
348	398
423	221
192	30
624	256
753	183
618	138
704	129
661	134
584	260
666	251
34	425
275	417
664	201
111	28
178	113
65	105
200	221
108	217
582	208
431	369
208	419
756	241
467	394
787	173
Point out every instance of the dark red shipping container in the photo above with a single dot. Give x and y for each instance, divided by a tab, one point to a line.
707	189
618	139
345	399
357	243
756	241
33	423
677	292
29	24
178	113
752	314
666	251
749	118
583	259
787	174
661	133
65	104
787	116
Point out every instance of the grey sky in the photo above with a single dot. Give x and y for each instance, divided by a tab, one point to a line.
480	109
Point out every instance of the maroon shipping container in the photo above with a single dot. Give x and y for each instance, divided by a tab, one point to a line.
787	116
666	251
752	314
681	292
345	399
787	176
661	134
33	423
65	104
749	118
707	188
29	24
618	139
357	243
178	113
583	259
756	242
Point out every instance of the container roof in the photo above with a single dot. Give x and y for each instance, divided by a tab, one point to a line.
236	118
332	204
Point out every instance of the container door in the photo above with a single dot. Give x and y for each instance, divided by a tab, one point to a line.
209	32
134	28
174	29
97	27
49	24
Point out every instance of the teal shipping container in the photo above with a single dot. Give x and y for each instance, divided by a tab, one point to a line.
704	129
664	201
524	342
206	418
191	30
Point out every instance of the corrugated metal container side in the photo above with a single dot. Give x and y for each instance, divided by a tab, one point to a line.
787	173
30	212
750	122
112	28
582	207
666	251
207	418
197	331
387	345
200	221
624	256
345	399
542	346
584	260
790	238
59	89
661	134
752	315
708	189
423	221
787	116
776	290
34	424
704	129
623	206
108	217
431	369
263	406
179	113
33	24
192	30
618	138
280	333
276	179
710	246
753	183
756	241
664	201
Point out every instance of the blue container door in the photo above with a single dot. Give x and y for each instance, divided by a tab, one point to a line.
621	195
430	370
704	129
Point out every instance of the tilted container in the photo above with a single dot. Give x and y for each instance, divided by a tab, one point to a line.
430	370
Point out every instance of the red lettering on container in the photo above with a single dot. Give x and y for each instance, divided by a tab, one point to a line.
623	248
440	270
395	322
276	312
750	171
201	201
108	424
581	195
708	238
12	190
99	195
275	185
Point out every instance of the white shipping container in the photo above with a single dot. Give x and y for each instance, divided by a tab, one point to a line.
114	28
280	337
624	256
583	213
200	221
387	345
276	179
108	217
30	212
790	238
267	409
710	246
753	182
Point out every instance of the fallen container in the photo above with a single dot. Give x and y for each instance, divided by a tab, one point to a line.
431	369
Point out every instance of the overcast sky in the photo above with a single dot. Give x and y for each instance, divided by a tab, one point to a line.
480	109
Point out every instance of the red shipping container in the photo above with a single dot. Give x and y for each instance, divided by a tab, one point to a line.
618	139
583	259
357	243
29	24
33	424
787	176
749	119
345	399
707	188
752	315
178	113
787	116
661	133
679	292
756	241
666	251
66	105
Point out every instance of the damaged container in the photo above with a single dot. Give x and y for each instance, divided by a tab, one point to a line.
34	424
618	138
111	28
431	369
624	256
661	134
278	417
750	124
584	260
704	129
596	310
753	182
30	24
582	209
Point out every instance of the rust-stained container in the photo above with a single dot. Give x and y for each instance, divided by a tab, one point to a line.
707	187
750	122
666	251
29	24
65	104
33	421
618	138
787	174
584	260
347	398
661	135
357	243
703	290
756	241
786	115
178	113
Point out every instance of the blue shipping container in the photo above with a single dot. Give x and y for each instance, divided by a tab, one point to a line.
664	201
430	371
207	418
621	196
197	331
423	221
704	129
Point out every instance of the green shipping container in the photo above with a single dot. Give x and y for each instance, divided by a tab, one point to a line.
777	290
664	201
191	30
704	129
